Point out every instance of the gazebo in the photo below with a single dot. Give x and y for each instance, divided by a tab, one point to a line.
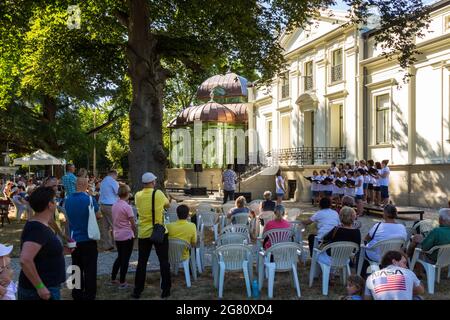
39	158
222	105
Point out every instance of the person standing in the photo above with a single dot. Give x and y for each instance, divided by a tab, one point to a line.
124	228
384	182
69	180
41	255
108	197
145	200
280	189
85	254
229	179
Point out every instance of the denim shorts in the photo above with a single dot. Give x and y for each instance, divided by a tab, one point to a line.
384	192
358	197
365	185
280	194
31	294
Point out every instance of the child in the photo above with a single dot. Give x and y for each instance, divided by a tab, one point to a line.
355	288
8	288
315	188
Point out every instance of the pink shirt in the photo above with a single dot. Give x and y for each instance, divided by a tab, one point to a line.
274	224
121	214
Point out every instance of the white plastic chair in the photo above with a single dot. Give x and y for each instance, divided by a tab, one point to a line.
266	216
208	220
231	238
176	249
240	218
232	257
341	252
381	247
254	206
204	207
433	271
292	214
425	226
236	228
285	256
276	236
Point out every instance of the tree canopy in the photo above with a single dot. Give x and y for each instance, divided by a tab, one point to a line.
143	55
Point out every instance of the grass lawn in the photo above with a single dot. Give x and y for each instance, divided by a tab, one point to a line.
234	288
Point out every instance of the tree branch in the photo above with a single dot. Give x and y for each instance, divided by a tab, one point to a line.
122	17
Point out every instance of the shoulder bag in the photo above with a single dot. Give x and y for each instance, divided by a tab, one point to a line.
93	230
158	229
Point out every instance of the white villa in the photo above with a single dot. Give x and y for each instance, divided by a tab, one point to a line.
340	100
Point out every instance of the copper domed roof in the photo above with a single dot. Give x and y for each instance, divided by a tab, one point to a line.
211	112
233	84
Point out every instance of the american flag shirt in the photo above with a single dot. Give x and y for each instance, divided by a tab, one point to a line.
392	283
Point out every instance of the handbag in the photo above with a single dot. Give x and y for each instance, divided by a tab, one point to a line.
93	230
158	229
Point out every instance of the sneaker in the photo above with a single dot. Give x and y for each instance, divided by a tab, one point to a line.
165	293
124	286
114	282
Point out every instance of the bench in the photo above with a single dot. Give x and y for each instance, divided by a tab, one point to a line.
400	210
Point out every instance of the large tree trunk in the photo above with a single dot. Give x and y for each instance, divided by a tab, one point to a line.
147	78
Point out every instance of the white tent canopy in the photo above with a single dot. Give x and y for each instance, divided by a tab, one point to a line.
40	158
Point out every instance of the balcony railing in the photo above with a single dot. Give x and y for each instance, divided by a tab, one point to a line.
308	82
306	155
336	73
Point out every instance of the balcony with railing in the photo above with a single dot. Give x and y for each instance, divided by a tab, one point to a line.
305	156
308	83
336	73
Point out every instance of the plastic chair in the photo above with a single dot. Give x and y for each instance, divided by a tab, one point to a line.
382	247
236	228
292	214
176	249
231	238
341	252
240	218
204	207
276	236
232	257
425	226
433	271
266	216
208	220
285	256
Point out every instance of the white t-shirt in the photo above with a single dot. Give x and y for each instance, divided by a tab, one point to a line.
391	283
385	231
11	291
314	185
326	220
359	191
340	190
384	181
279	182
349	191
328	187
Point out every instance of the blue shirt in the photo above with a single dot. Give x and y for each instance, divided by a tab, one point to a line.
229	180
69	182
108	191
77	210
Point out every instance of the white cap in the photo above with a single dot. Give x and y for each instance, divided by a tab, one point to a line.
4	250
148	177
